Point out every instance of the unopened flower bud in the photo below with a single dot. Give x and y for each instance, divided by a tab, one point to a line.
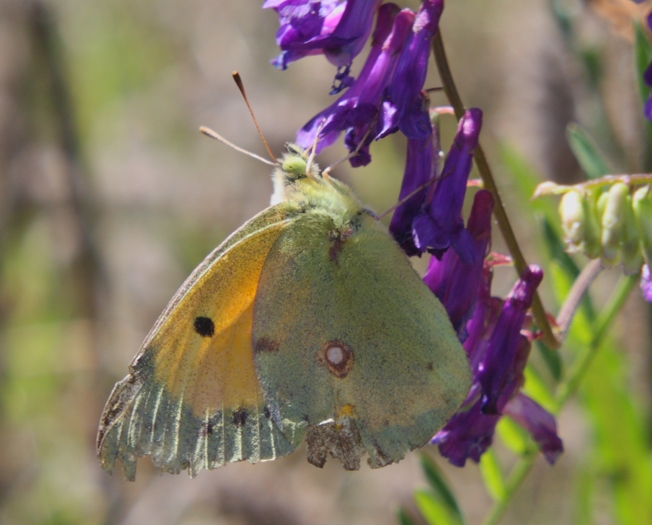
630	249
642	205
573	218
580	224
613	222
591	226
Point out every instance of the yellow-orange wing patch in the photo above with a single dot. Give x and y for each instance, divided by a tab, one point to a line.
192	399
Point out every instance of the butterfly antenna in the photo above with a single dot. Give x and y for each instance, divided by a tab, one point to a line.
214	135
355	151
406	198
238	81
313	150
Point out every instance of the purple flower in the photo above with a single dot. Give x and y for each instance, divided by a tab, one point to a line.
647	78
646	283
440	225
357	110
498	354
456	284
498	373
420	167
538	422
336	29
404	106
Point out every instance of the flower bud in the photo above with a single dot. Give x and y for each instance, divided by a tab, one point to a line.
642	205
613	222
591	226
630	249
580	224
573	218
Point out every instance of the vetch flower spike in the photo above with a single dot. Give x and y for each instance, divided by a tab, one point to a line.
498	354
440	225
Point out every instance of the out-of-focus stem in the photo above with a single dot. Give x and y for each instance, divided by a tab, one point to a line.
601	325
453	95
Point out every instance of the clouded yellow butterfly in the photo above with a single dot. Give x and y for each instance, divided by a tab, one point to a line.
307	323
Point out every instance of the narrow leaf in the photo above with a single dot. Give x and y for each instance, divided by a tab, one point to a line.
404	518
433	510
438	483
587	152
492	475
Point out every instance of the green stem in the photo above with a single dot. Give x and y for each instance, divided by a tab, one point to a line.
516	477
602	323
488	180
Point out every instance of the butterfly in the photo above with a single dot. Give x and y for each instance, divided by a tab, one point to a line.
307	324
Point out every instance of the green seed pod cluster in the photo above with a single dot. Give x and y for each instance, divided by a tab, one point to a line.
610	224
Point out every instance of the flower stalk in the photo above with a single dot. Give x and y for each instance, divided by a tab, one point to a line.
538	311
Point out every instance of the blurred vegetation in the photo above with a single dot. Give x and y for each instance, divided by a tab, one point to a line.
109	197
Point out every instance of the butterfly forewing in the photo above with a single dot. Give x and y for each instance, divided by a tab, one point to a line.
192	399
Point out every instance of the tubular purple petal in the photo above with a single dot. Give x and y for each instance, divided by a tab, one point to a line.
467	435
499	372
538	422
420	167
647	108
455	283
404	92
646	283
441	224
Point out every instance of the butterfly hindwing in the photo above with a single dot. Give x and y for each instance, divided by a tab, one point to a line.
369	360
192	399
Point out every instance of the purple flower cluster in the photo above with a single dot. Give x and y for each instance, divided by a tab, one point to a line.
498	353
386	97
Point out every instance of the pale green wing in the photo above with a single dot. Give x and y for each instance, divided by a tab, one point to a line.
192	399
348	340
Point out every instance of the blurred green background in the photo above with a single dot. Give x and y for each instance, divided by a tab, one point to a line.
109	197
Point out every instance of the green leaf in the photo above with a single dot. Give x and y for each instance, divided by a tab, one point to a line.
492	475
404	518
438	483
435	511
514	436
586	152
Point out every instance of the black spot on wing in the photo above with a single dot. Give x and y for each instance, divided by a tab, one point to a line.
204	326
